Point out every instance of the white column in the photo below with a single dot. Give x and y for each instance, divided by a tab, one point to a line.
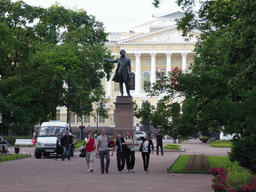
184	61
138	74
109	90
168	63
153	68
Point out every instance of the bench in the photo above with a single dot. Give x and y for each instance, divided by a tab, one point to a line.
23	142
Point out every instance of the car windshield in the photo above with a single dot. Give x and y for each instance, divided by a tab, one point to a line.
138	132
51	131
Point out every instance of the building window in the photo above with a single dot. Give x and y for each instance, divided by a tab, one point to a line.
72	117
146	81
132	81
58	115
87	119
101	119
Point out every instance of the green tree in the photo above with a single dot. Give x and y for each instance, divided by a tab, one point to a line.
221	83
57	61
144	113
220	90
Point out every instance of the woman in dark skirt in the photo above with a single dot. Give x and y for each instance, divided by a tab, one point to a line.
145	151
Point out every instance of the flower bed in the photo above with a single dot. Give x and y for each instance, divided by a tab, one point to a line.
204	139
233	179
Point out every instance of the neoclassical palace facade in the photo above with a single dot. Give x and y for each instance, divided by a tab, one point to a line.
153	46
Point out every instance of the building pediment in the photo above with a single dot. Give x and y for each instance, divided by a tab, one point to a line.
168	35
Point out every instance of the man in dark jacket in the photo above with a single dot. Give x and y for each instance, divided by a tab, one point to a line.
120	152
66	143
159	141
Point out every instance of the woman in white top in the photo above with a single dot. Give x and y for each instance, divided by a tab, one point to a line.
145	149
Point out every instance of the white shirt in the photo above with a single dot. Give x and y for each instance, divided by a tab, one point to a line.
145	147
130	140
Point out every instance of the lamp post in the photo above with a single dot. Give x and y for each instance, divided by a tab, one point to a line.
97	120
82	132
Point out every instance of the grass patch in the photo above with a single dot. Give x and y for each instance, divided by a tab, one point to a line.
172	147
80	143
13	157
218	161
214	161
222	144
179	164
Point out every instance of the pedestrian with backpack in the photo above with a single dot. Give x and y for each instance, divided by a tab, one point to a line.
145	150
90	142
130	141
102	150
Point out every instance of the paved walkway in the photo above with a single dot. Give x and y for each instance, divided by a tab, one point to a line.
45	174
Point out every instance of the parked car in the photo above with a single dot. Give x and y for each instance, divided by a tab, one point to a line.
139	134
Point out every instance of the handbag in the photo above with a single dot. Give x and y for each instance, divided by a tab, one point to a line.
82	152
140	149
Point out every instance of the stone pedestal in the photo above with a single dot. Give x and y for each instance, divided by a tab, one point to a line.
123	115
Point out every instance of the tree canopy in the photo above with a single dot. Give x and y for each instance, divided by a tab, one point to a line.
49	57
219	88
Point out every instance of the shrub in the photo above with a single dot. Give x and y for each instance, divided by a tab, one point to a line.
234	179
244	151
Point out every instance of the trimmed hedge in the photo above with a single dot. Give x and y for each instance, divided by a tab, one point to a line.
244	151
13	157
11	139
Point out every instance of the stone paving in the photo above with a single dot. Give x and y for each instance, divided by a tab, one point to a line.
46	174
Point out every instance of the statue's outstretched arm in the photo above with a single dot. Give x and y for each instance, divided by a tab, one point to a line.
110	60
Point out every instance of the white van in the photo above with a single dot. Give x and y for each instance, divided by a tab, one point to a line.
46	141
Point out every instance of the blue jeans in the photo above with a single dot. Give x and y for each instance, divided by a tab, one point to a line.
66	149
102	154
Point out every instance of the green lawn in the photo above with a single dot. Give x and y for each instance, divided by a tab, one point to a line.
179	165
217	161
214	161
222	144
13	157
172	147
80	143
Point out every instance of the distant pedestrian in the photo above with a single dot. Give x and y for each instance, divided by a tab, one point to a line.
145	151
58	145
95	135
159	141
130	141
120	153
90	142
102	150
66	143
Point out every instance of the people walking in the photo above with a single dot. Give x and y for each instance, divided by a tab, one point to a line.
120	153
58	145
145	151
130	141
159	143
102	150
90	142
66	143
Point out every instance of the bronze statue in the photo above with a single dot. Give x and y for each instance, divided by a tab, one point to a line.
123	71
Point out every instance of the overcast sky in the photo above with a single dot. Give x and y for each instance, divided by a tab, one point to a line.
117	15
